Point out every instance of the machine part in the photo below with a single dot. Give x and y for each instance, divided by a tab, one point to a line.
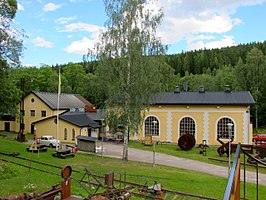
66	172
186	142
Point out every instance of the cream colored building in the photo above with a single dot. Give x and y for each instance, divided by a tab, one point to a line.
205	115
39	110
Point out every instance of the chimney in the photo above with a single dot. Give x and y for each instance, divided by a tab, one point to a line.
228	88
177	89
185	86
201	89
90	108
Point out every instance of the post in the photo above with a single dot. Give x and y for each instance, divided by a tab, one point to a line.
154	124
102	136
230	125
153	163
58	107
102	146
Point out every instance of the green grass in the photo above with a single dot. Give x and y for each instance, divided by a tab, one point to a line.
20	179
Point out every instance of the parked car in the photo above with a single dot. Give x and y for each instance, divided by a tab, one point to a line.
49	141
259	138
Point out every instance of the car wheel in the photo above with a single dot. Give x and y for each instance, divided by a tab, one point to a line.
51	145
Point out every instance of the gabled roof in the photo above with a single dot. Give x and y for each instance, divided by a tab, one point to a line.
203	98
66	101
83	119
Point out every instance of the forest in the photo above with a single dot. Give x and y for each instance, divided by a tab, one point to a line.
243	67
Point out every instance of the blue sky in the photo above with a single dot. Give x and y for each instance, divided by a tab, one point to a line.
61	31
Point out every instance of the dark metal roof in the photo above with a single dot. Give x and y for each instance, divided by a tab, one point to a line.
81	119
203	98
66	101
86	138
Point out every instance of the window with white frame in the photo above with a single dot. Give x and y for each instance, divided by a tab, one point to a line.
187	126
151	126
223	128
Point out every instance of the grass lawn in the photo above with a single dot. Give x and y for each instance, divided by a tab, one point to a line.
16	179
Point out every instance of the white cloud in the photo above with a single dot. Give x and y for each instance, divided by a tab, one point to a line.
80	26
51	7
81	46
20	7
74	1
41	42
185	19
65	20
226	41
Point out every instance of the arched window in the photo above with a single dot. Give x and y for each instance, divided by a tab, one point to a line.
73	134
223	128
151	126
65	134
187	126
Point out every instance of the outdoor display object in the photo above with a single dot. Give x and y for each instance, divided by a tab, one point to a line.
186	142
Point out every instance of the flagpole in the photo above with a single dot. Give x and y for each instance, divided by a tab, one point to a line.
58	98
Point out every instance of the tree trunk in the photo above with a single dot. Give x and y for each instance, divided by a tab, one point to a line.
125	145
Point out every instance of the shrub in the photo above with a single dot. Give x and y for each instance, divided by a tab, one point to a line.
7	171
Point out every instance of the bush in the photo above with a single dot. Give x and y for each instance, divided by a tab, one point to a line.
7	171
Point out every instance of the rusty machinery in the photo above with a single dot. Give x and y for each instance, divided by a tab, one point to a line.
98	187
186	142
62	188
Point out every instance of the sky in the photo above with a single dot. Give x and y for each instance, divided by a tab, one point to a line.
62	31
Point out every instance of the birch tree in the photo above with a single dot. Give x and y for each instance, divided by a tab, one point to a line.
131	63
10	38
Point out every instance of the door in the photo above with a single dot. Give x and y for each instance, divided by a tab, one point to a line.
32	129
7	126
89	132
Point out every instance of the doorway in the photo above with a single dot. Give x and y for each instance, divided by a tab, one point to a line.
7	126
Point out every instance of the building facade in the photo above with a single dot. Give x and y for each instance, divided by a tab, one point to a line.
39	112
205	115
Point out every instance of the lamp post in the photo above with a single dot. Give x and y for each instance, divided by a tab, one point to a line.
230	125
154	124
102	130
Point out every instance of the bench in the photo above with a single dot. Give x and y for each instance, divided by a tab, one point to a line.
64	153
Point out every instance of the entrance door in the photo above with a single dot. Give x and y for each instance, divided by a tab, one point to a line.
89	132
32	129
7	126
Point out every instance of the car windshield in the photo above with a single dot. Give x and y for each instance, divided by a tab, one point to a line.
50	138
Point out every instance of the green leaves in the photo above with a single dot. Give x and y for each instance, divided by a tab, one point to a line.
10	38
130	67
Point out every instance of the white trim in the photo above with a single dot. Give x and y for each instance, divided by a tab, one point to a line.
178	134
246	127
235	125
143	132
206	127
206	113
169	126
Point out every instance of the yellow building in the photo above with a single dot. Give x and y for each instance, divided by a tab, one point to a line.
71	124
39	110
205	115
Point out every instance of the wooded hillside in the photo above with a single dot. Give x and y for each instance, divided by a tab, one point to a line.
243	67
